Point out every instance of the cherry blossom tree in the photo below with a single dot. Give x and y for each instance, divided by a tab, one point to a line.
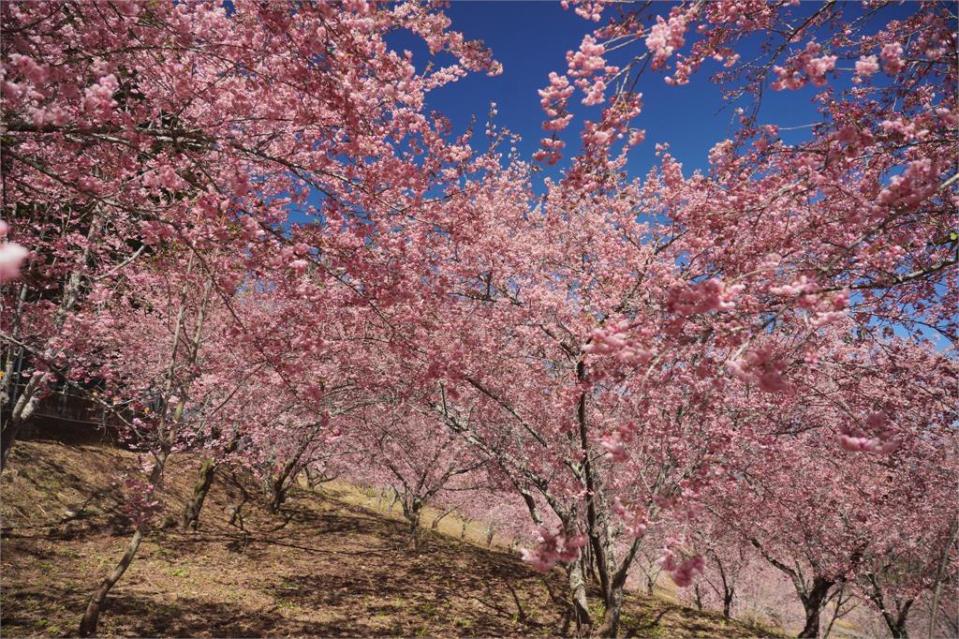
243	227
518	385
545	374
822	517
771	260
127	126
858	215
130	130
726	564
414	455
156	384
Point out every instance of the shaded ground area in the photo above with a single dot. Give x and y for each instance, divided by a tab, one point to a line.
323	567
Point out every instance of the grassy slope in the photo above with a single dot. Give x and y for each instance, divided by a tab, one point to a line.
329	565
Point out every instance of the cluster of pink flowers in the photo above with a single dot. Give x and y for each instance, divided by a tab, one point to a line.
761	367
586	9
919	181
825	308
141	504
817	68
615	441
634	522
595	136
866	444
829	308
854	138
98	99
553	548
156	232
551	151
299	266
11	256
608	340
681	569
165	177
806	66
901	127
665	37
798	286
711	295
866	66
36	73
251	229
614	341
553	100
891	54
875	437
596	93
586	62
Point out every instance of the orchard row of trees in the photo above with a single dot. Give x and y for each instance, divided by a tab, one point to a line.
243	233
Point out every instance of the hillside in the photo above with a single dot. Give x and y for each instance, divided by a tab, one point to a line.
326	566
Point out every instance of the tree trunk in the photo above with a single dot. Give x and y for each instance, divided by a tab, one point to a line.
698	597
191	514
897	622
577	590
393	499
898	629
489	535
22	411
277	497
813	603
415	535
614	608
613	601
277	491
589	568
412	511
940	573
728	604
88	625
312	481
811	629
91	616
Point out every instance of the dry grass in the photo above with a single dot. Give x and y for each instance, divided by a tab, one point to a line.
327	566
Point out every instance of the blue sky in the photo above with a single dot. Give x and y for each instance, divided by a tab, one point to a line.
531	38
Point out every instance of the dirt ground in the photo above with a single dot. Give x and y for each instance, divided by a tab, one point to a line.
328	565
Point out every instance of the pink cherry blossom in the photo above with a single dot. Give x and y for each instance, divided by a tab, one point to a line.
12	256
